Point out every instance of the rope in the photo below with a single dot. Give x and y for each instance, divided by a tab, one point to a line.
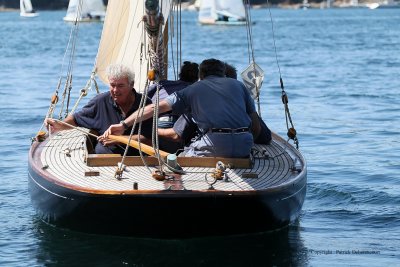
156	43
155	139
76	128
84	91
70	47
68	83
119	171
72	57
155	63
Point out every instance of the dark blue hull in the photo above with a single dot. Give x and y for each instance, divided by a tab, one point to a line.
170	214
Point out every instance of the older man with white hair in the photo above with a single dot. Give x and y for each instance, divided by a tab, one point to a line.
110	108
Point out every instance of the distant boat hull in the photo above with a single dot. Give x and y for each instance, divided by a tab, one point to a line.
29	15
226	23
206	21
86	19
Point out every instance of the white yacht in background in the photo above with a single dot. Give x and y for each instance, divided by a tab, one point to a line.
87	10
383	4
305	5
27	9
372	5
222	12
194	6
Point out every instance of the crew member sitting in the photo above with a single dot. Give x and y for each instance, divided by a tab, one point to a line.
185	130
222	108
189	74
109	108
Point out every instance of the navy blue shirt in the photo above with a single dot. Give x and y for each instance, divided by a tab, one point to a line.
186	128
168	119
101	112
215	102
167	88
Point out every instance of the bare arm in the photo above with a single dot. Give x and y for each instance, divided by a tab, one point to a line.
118	129
56	126
169	134
255	124
109	142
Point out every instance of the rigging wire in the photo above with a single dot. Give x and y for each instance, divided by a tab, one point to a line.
154	63
69	48
249	31
72	57
250	48
72	40
291	130
180	34
177	34
140	110
171	35
68	83
71	45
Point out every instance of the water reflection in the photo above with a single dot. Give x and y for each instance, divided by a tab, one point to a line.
67	248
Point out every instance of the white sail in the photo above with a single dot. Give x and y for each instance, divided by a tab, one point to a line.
231	8
27	9
221	12
89	10
124	40
207	12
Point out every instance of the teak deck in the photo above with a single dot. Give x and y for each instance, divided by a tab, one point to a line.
65	159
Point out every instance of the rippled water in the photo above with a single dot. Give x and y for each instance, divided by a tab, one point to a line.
341	71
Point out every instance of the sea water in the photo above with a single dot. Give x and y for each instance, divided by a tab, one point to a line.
340	69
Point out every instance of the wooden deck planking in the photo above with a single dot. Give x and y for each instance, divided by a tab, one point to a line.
271	171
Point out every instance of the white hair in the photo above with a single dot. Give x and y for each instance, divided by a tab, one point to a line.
118	71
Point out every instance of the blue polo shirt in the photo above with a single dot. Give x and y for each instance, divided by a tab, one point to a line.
215	102
101	112
166	88
186	128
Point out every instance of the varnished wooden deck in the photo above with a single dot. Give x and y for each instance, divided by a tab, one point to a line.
62	159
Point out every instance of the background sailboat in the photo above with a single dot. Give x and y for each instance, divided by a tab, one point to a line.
27	9
226	12
88	10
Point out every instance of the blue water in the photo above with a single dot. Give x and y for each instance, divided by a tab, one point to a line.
341	71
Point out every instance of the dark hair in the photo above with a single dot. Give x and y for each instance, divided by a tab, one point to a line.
189	72
212	66
230	71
